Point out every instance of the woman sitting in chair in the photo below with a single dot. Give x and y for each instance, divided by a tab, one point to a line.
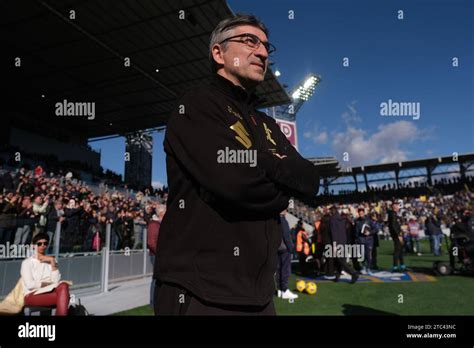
39	271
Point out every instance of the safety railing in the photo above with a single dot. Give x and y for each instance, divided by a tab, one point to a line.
87	268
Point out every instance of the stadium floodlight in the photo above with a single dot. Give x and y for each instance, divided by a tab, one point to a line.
309	82
306	90
300	94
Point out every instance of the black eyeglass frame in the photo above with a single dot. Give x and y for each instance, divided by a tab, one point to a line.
268	46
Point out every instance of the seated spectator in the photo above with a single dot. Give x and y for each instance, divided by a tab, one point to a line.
39	271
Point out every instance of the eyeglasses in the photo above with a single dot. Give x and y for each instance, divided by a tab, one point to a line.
42	243
252	41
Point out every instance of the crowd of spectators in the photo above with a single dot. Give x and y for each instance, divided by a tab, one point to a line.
413	195
97	175
420	216
440	186
33	201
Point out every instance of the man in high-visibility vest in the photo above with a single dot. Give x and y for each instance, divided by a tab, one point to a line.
318	246
302	248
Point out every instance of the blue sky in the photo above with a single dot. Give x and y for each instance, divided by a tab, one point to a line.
407	60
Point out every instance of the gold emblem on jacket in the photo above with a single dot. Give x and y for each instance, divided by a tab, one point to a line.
242	134
269	134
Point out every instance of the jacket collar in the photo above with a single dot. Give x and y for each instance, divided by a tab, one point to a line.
234	91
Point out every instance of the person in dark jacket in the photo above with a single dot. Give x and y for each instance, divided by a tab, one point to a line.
293	233
55	215
377	226
218	242
338	228
25	221
365	230
87	227
153	231
26	188
18	177
397	237
326	241
285	252
462	235
351	239
6	182
69	236
124	227
115	231
9	208
433	227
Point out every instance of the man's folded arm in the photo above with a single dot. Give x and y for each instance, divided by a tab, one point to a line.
198	138
294	172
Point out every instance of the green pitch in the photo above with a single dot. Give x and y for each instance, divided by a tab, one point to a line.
450	295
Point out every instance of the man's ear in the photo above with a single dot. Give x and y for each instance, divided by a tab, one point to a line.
218	54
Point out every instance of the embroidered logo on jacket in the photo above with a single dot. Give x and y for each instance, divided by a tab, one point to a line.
269	134
236	114
242	134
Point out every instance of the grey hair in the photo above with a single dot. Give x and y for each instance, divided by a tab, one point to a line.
225	28
161	208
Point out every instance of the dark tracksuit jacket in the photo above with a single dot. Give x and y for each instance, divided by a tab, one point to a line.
393	225
286	236
360	222
221	232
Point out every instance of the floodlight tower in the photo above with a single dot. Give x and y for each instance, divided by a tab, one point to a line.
139	151
299	95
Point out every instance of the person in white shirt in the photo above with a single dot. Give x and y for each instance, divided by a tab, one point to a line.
39	271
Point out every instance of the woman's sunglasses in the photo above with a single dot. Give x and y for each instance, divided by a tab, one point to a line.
42	243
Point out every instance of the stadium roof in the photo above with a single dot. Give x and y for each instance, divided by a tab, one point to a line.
83	59
328	166
402	165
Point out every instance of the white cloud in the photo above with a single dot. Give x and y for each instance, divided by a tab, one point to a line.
322	138
385	145
352	115
317	136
